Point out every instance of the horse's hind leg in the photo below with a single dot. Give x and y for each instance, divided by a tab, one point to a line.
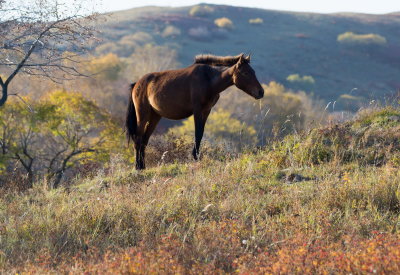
151	126
146	126
143	114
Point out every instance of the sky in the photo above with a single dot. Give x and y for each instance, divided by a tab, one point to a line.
320	6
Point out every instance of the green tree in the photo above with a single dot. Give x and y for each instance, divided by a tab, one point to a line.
59	132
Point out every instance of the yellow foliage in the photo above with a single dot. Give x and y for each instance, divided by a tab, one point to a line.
366	39
171	31
280	111
140	38
107	66
256	21
302	79
224	23
201	10
220	126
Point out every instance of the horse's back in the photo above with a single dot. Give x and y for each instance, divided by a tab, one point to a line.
169	92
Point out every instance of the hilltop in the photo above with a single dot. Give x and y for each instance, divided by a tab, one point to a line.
281	43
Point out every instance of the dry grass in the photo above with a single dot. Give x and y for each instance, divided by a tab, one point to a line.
246	214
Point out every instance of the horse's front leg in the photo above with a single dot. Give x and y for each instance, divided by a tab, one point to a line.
200	119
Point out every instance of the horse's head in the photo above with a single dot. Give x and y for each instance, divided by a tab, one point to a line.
245	78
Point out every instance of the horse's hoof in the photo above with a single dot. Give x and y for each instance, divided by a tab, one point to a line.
195	154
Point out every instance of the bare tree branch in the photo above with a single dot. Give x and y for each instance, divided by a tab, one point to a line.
42	39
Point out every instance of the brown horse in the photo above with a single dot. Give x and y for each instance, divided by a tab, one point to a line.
178	94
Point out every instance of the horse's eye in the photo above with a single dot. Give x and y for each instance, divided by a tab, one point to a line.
245	73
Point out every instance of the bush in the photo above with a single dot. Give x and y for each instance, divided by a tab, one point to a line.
107	67
129	43
171	31
140	38
298	82
350	103
220	127
302	79
371	139
107	48
279	113
201	10
224	23
256	21
63	131
351	38
200	33
150	58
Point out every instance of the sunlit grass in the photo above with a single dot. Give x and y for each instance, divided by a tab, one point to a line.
263	211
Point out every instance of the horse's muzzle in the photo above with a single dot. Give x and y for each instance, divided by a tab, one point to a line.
260	94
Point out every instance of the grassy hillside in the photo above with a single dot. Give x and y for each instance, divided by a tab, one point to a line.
282	44
281	187
323	202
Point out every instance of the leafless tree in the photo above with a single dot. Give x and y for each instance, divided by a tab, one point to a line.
42	38
151	58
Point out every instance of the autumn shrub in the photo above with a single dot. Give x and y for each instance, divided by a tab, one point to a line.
224	23
350	102
140	38
201	10
107	67
379	254
171	31
200	33
371	139
301	83
221	127
256	21
106	48
150	58
351	38
110	75
279	113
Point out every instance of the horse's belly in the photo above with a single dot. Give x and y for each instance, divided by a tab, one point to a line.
171	108
174	115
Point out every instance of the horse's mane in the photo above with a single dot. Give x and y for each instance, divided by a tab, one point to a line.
213	60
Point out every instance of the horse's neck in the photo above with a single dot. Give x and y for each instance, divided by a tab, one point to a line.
222	79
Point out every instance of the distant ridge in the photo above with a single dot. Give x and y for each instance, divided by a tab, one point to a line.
283	44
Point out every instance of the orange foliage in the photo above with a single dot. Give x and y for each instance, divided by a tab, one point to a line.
228	253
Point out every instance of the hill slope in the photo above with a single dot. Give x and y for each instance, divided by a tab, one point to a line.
327	202
285	43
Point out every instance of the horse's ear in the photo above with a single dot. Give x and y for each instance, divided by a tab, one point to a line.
248	58
242	59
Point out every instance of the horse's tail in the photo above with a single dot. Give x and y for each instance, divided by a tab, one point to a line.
131	123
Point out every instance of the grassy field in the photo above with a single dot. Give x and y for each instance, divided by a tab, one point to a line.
283	44
327	201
